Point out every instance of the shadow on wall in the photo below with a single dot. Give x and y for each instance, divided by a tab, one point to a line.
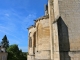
64	45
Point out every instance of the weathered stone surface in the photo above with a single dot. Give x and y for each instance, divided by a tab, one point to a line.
42	48
43	44
3	56
70	30
56	35
31	57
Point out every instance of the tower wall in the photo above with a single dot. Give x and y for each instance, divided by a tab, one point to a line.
69	30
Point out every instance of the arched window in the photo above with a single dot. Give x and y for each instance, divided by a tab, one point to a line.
35	39
30	42
39	31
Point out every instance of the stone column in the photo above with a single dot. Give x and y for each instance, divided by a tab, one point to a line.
36	39
53	29
33	47
32	43
56	42
51	18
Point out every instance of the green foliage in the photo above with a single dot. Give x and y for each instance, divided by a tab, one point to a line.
5	42
15	54
13	50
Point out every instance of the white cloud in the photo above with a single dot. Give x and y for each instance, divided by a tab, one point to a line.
6	14
14	25
29	20
13	41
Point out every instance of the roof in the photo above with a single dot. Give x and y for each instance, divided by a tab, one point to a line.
41	18
31	27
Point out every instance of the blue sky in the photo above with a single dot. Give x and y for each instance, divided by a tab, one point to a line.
16	16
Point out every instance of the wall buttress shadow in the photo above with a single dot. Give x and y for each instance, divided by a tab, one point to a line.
64	45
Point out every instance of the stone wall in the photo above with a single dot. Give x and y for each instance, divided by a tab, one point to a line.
69	30
43	35
43	39
39	39
31	47
3	56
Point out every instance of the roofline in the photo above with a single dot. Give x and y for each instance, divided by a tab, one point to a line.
31	27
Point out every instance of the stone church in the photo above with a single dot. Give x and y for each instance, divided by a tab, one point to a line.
56	35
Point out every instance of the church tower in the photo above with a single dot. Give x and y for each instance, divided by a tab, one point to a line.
69	30
64	20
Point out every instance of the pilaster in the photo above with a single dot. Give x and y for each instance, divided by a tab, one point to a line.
53	16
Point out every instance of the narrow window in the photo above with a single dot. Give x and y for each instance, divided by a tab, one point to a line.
30	42
35	39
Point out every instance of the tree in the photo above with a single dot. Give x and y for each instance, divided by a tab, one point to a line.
5	42
23	55
14	53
